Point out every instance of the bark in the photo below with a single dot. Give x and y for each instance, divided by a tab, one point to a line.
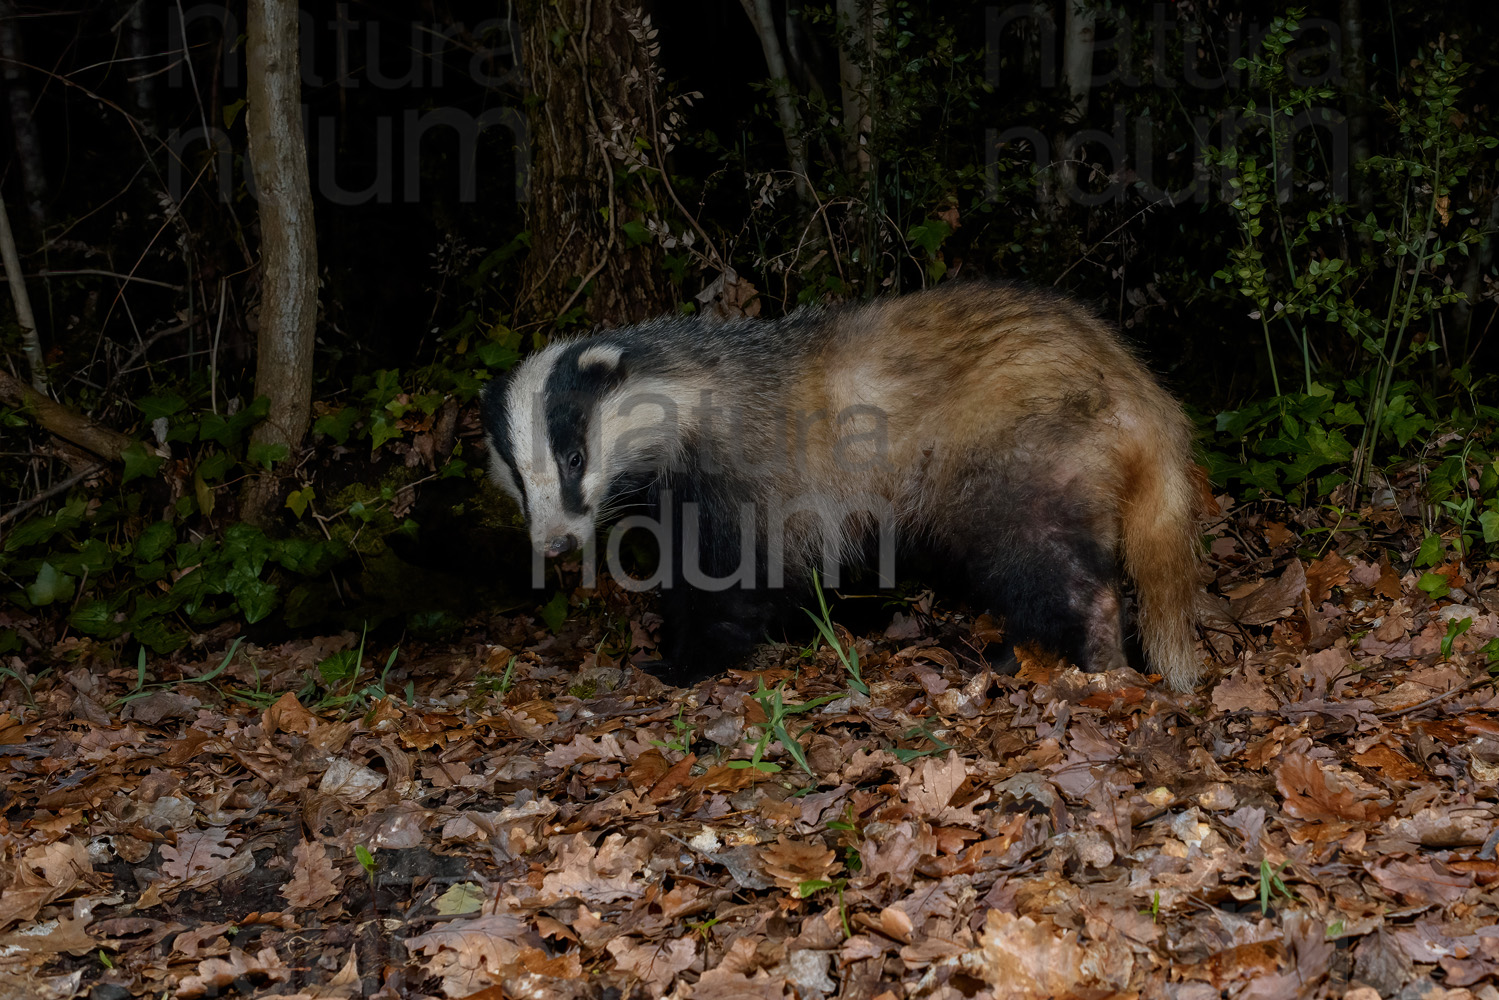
63	421
31	341
762	19
19	102
288	238
1077	78
599	75
855	69
141	79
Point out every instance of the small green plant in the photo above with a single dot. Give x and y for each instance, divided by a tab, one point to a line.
847	655
1154	909
682	741
1271	885
366	861
488	683
1490	652
807	888
1455	628
143	688
773	703
336	684
923	731
702	927
849	835
554	612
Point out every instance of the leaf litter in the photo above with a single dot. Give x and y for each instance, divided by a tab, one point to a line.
528	815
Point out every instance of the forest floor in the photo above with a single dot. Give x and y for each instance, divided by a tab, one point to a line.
526	815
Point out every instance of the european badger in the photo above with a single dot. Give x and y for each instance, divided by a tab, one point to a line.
1006	430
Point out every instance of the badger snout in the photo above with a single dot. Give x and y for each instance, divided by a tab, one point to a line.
559	545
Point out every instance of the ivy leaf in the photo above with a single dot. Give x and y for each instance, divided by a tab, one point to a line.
554	613
266	454
256	599
635	233
203	492
231	112
1434	585
465	897
96	618
154	541
159	406
297	500
338	424
497	355
50	587
1431	551
139	462
1489	519
929	234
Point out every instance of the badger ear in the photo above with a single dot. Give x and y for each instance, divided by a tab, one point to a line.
609	357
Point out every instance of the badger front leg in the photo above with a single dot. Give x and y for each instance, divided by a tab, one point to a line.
714	603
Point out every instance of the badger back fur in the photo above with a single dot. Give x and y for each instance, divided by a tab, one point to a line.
1007	430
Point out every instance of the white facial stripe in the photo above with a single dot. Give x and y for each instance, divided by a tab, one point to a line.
499	472
525	401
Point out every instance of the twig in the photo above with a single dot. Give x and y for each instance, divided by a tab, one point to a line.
99	272
49	493
1470	684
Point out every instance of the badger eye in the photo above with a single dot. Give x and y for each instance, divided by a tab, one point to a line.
575	461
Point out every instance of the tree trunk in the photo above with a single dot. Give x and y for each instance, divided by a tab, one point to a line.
19	102
1077	76
764	23
288	239
589	75
31	340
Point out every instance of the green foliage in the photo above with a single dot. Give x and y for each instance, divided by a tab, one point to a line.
847	654
1357	299
554	612
777	713
164	557
1271	885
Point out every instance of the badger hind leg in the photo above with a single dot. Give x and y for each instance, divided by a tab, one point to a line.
1044	565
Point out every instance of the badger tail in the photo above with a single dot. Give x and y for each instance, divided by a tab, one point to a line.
1158	536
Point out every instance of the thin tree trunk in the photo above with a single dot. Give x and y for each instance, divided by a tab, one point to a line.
1077	78
19	105
288	237
856	28
137	42
31	341
600	77
762	19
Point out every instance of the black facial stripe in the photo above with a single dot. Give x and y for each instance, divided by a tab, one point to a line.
572	397
496	418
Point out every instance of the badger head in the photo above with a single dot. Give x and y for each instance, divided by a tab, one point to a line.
564	428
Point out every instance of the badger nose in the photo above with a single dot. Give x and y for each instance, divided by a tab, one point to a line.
561	544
